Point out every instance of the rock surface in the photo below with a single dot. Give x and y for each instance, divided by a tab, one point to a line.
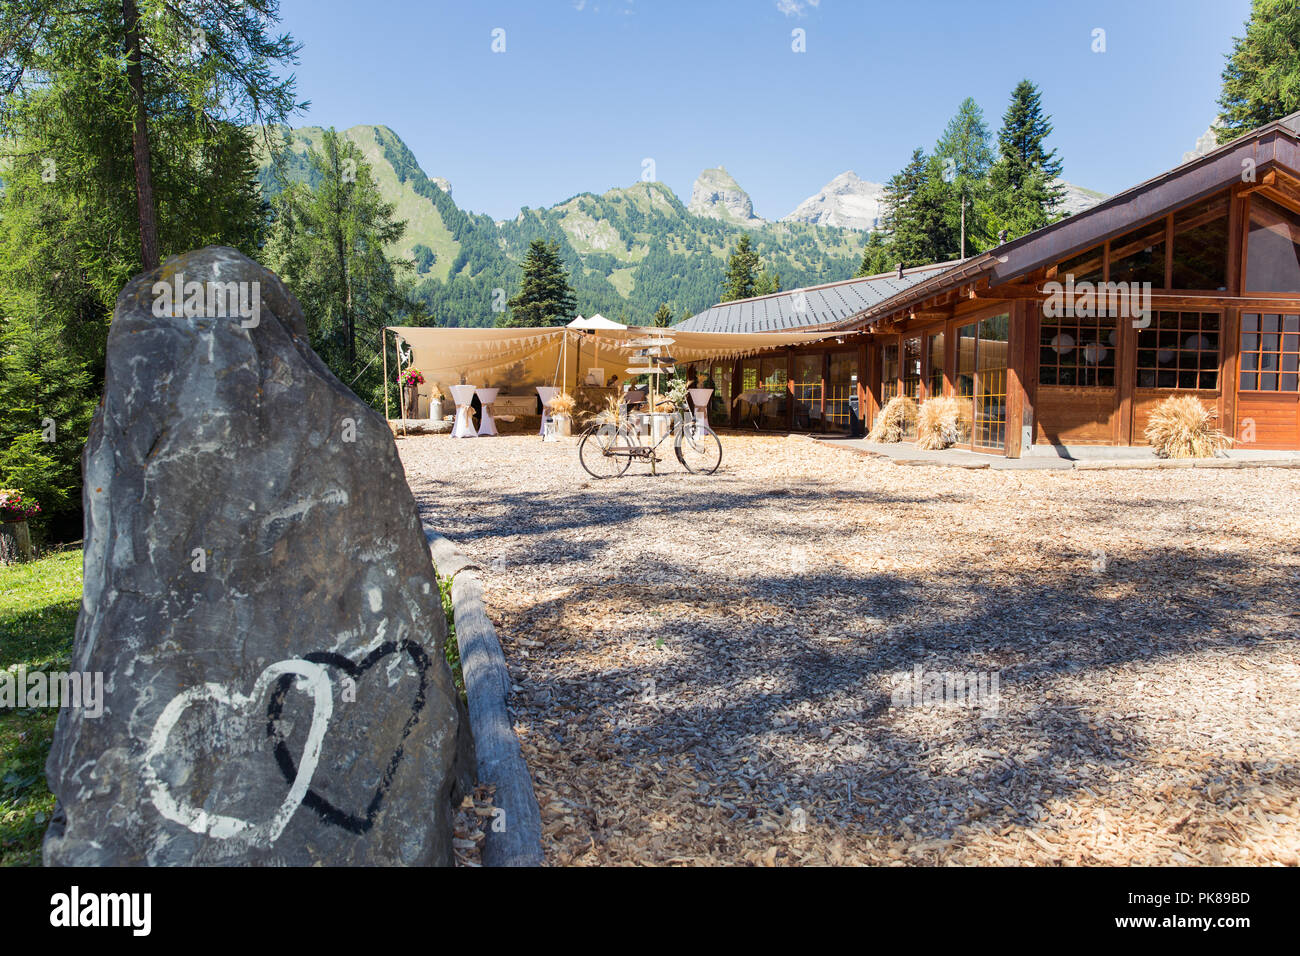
260	599
717	195
847	201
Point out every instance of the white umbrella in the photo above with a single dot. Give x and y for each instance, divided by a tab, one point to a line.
594	324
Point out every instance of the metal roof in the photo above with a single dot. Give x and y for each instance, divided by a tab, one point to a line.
808	307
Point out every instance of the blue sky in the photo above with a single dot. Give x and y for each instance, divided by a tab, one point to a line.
587	90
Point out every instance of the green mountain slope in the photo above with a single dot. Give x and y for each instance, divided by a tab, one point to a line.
628	250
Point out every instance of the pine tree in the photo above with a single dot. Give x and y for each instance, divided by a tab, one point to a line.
965	157
767	283
545	296
742	268
48	402
328	244
1261	82
663	317
1023	192
875	257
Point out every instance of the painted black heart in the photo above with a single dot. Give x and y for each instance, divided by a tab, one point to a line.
275	709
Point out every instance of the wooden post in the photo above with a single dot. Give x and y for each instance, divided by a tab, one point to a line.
383	350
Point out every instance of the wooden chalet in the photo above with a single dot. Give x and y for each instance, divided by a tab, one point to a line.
1045	361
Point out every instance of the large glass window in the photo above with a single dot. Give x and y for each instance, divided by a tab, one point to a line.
935	354
888	372
1078	351
1201	246
1085	267
1270	353
718	378
964	385
911	380
1273	249
1139	256
991	382
1179	350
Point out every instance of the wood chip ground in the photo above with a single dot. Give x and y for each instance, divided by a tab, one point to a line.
706	668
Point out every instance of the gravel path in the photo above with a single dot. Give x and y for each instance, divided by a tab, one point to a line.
721	669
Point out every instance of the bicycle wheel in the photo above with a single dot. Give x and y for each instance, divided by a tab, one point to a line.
698	449
605	451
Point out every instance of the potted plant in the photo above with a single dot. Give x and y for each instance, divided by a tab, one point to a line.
412	379
562	407
15	537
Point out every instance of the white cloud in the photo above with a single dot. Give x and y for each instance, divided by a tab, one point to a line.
795	8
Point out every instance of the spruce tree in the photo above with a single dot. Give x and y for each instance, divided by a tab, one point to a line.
1261	82
47	402
965	156
1023	190
663	317
328	244
545	296
742	269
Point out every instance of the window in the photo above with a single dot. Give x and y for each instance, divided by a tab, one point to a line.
1078	351
1085	267
1270	353
1179	350
1139	256
934	348
912	368
1273	249
1201	246
888	372
991	383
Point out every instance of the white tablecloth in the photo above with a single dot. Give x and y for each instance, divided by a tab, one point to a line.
462	395
486	397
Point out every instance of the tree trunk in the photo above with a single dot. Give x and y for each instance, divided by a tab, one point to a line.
15	543
144	198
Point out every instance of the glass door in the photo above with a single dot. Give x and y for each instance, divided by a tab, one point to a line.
806	391
841	387
991	382
911	383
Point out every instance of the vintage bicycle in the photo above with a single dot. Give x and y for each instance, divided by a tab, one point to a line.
608	448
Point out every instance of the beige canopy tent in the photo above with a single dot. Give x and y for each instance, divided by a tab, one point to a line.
519	359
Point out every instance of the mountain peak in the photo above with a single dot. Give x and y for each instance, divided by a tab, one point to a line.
717	195
846	201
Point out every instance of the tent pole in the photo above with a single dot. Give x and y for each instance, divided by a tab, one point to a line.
384	352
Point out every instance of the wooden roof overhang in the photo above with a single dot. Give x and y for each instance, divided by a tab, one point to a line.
1014	269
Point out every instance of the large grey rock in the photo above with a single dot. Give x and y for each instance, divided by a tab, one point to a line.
847	201
260	599
716	194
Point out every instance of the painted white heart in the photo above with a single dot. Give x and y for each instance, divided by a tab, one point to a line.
217	825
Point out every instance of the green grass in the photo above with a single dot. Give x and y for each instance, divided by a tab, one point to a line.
451	649
38	614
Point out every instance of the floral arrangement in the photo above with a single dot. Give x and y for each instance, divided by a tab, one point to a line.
412	376
435	393
14	508
563	404
676	393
